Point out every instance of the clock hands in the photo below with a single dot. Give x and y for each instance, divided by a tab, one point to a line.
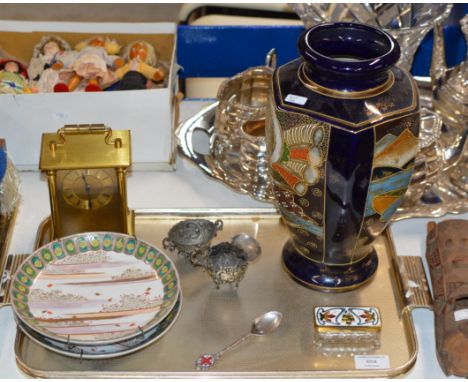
88	190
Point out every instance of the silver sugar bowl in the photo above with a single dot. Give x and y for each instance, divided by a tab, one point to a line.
239	145
192	239
226	264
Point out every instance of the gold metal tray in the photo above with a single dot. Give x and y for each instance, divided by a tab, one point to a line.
211	318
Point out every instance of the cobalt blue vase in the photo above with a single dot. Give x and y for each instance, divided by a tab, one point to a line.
342	140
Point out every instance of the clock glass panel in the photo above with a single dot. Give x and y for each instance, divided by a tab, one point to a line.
87	189
89	201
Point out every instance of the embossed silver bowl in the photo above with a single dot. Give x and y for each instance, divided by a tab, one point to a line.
192	238
226	264
235	126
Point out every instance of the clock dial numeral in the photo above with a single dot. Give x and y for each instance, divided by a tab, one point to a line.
87	189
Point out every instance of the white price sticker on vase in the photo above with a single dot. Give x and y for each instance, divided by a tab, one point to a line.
461	315
298	100
372	362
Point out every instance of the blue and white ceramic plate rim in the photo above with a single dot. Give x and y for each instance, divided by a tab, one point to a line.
35	337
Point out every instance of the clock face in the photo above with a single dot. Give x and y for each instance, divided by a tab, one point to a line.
87	189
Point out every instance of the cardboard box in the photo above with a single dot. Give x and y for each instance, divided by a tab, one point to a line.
149	114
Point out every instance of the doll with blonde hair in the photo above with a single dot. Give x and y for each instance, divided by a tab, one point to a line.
141	65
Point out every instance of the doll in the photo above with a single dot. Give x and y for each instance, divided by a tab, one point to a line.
140	67
89	64
13	77
48	58
47	54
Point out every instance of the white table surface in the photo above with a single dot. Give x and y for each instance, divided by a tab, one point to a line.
188	187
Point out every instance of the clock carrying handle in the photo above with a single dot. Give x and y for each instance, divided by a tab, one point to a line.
85	129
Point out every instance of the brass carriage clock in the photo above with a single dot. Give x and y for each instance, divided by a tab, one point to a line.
85	167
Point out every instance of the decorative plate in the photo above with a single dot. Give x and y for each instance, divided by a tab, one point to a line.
95	288
111	350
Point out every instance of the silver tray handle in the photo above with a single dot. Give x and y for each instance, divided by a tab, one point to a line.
412	282
185	134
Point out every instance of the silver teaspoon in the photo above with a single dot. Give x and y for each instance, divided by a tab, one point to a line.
262	325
